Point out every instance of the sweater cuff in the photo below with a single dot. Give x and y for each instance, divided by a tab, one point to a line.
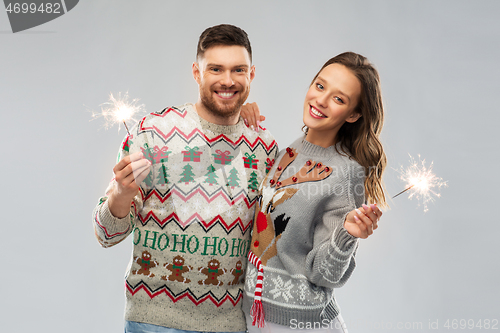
114	224
343	240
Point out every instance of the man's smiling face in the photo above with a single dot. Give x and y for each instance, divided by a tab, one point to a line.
224	74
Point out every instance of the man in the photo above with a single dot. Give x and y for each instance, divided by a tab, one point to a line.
185	188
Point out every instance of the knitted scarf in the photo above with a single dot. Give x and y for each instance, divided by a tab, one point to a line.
257	311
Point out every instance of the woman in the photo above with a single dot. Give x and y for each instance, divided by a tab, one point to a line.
307	227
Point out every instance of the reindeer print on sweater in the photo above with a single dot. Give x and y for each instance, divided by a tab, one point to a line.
267	232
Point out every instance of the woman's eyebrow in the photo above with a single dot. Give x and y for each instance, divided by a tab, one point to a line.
340	91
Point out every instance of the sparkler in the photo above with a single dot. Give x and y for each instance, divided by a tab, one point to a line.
119	110
421	182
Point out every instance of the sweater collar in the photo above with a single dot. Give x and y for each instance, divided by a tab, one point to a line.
310	149
238	128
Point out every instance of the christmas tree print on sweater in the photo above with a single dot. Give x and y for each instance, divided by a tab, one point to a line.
232	181
163	175
253	182
150	180
211	176
187	174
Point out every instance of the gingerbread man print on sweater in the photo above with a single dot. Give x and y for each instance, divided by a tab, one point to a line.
146	264
237	271
273	193
177	267
213	271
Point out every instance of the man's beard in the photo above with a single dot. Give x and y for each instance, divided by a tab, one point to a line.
223	110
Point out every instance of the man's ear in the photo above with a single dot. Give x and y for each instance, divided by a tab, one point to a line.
353	117
252	73
196	72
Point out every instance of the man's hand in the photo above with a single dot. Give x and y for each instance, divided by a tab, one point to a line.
251	115
361	222
129	173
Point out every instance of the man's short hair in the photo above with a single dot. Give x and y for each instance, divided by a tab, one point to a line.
223	34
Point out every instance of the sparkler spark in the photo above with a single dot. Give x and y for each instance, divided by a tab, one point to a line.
420	182
119	110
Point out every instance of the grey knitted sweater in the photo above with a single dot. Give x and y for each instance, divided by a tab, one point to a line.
299	236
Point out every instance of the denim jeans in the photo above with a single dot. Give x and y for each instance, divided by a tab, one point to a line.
135	327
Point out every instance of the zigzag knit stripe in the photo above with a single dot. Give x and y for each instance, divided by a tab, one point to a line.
199	189
197	133
187	293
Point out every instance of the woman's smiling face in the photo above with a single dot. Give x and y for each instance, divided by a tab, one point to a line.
331	101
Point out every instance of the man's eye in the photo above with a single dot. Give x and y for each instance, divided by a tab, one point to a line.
215	69
240	70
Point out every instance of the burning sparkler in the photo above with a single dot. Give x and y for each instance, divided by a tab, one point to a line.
119	110
420	182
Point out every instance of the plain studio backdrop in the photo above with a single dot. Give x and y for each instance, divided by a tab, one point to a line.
439	66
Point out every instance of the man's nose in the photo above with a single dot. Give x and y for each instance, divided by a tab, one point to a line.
227	79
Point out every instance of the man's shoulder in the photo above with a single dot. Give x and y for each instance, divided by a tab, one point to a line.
263	135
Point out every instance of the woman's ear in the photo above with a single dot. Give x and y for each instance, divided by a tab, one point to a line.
353	117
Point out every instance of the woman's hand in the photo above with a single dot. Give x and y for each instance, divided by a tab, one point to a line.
361	222
251	115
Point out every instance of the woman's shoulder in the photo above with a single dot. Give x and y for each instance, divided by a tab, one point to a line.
295	144
355	169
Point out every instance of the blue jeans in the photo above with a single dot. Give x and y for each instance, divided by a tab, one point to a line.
135	327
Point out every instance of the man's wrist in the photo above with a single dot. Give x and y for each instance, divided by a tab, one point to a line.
118	207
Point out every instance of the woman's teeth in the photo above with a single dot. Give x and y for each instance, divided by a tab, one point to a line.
317	113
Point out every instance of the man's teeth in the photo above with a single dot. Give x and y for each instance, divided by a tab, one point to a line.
226	94
316	113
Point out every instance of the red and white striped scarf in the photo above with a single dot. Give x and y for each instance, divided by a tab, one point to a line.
257	311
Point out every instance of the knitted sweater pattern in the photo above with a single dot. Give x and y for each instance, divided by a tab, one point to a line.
298	233
191	220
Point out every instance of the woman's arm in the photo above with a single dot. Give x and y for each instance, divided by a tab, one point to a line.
331	261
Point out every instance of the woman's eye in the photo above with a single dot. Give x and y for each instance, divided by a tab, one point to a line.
338	99
319	86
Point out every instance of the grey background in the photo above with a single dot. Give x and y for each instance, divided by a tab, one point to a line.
439	63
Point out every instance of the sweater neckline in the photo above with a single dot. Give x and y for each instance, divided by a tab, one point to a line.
311	149
238	128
